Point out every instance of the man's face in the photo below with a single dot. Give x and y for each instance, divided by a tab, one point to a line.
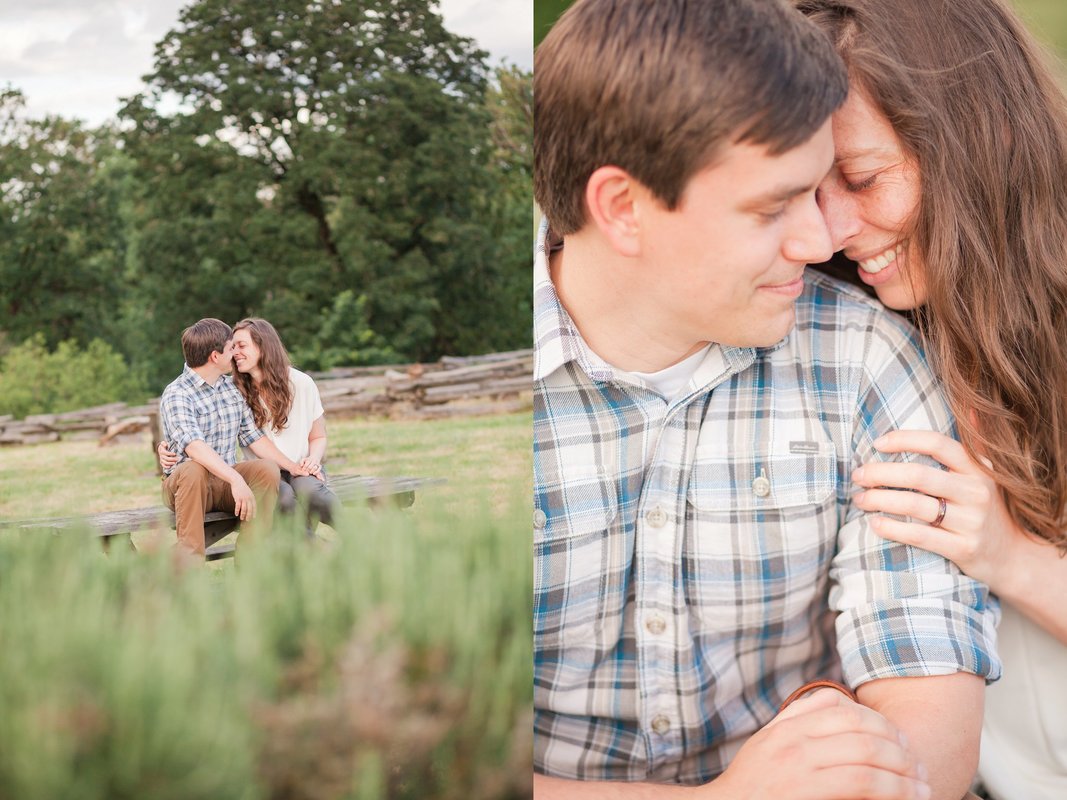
727	264
225	360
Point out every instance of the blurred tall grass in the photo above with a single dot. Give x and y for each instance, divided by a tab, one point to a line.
394	663
1048	21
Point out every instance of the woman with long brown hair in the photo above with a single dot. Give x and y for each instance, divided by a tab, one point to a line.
285	403
949	196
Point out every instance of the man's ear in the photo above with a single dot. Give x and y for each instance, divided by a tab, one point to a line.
611	195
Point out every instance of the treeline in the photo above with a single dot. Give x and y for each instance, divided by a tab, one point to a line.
352	171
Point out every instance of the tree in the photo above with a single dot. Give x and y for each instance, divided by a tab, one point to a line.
318	147
62	245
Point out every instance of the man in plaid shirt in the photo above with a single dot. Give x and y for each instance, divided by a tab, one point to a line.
700	404
204	417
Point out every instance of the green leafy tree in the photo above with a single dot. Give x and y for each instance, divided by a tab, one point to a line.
36	380
318	147
62	244
344	337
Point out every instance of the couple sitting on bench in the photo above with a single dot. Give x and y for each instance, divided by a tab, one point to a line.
272	410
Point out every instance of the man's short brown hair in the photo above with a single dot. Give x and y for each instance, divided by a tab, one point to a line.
203	338
656	87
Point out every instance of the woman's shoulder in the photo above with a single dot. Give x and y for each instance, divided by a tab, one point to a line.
300	379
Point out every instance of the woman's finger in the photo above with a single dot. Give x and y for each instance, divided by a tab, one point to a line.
920	507
909	475
939	447
936	540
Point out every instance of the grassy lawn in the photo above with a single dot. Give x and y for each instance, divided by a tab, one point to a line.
482	458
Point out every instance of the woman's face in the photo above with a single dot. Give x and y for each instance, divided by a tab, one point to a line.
870	198
245	352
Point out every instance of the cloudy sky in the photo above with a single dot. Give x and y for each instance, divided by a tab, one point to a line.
76	58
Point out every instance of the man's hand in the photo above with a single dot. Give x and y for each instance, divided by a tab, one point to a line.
826	747
244	502
167	459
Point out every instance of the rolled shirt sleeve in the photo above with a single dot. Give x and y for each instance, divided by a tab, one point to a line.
182	425
904	612
248	432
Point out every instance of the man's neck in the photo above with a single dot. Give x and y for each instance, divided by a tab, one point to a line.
209	373
590	282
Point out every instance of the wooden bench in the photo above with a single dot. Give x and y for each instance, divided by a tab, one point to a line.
399	492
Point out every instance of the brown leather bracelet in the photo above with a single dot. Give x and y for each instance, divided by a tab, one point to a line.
810	687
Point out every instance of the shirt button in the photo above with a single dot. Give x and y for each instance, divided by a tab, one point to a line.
656	625
761	487
540	518
657	517
661	724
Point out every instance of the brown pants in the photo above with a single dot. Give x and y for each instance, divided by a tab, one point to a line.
190	491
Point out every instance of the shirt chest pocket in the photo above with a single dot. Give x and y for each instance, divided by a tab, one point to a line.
761	530
766	483
207	411
581	558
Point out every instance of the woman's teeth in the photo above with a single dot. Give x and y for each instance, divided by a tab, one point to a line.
881	261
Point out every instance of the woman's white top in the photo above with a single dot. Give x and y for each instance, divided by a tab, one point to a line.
1024	736
292	440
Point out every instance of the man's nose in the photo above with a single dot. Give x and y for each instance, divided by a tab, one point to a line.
839	210
809	242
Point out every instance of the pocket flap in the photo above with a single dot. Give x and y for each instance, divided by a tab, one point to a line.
719	482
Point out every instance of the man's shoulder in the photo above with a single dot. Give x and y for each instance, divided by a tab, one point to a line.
227	387
179	386
829	306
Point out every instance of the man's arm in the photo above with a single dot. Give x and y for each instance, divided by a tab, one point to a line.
823	747
914	634
548	788
942	717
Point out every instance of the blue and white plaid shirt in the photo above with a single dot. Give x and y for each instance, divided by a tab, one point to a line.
693	557
193	409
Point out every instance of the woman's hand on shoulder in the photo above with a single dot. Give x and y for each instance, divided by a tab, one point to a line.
975	531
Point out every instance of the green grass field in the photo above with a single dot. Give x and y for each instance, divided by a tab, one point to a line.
393	663
482	457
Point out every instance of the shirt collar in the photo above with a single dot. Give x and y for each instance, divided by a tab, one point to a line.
193	379
556	337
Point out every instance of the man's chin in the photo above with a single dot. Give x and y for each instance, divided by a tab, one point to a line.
767	336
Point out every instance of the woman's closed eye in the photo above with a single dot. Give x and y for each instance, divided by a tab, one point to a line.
861	185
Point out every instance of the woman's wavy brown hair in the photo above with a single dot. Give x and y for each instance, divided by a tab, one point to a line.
973	99
272	397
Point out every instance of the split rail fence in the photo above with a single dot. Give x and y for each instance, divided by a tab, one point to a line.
451	387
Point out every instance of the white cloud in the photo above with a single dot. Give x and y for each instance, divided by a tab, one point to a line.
76	58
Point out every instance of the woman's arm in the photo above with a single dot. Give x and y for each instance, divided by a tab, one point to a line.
976	532
316	446
317	440
263	447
